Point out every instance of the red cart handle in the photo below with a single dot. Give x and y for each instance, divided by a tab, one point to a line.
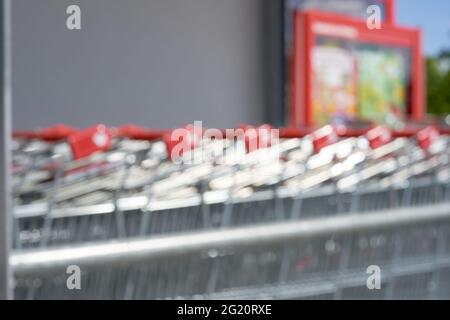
257	138
324	137
183	139
379	136
134	132
90	141
51	134
427	137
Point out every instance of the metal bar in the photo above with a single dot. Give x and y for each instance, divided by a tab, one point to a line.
305	289
6	291
212	197
138	250
141	133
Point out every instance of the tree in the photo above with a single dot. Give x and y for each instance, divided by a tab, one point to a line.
438	83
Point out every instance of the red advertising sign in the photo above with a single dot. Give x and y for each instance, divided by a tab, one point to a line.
341	71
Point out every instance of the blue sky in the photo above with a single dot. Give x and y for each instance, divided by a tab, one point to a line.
433	16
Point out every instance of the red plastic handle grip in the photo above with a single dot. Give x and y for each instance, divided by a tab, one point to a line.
324	137
90	141
427	137
51	134
379	136
131	131
180	140
256	138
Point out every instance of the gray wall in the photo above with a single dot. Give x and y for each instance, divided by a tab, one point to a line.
158	63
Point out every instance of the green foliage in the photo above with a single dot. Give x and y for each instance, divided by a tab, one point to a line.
438	84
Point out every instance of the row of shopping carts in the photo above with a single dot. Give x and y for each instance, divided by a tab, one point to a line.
198	213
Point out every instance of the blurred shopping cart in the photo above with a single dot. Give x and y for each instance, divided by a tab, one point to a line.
304	223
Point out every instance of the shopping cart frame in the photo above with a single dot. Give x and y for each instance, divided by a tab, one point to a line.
134	251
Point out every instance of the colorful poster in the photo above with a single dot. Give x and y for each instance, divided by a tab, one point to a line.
382	85
334	85
359	81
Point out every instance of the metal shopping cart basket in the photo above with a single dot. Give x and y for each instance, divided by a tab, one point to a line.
306	223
